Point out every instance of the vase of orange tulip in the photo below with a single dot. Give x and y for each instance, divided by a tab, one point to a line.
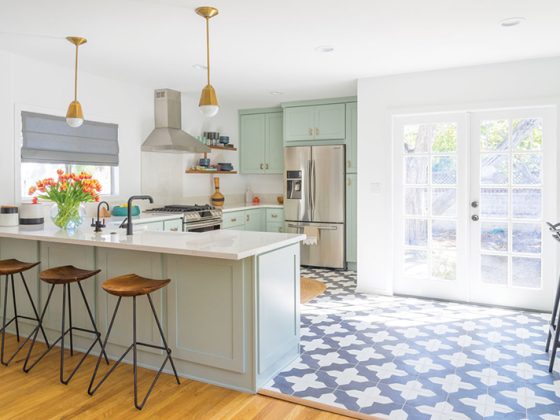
68	193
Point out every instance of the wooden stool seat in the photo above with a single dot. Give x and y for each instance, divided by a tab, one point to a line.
66	274
132	285
13	266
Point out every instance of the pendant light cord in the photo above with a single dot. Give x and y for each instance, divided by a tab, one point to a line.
208	50
76	76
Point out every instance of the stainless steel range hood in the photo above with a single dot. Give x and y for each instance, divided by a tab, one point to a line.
168	136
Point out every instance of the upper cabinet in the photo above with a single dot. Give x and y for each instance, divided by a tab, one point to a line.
261	142
317	122
352	137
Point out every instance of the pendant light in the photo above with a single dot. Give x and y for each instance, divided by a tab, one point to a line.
75	115
208	103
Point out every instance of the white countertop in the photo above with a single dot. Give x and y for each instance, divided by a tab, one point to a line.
240	207
223	244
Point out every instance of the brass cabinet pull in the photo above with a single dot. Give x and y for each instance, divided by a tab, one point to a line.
349	163
266	166
310	131
233	220
316	131
274	216
348	182
248	217
262	166
174	229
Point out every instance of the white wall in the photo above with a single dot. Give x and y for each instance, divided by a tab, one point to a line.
28	84
524	83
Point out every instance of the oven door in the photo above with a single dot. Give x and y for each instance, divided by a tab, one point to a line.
203	226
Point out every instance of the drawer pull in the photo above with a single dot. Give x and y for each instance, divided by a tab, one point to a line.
174	229
310	131
274	216
262	166
233	220
316	131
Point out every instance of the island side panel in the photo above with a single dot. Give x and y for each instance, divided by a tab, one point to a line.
27	251
278	311
113	263
209	315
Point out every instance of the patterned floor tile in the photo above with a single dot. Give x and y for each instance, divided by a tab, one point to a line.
410	358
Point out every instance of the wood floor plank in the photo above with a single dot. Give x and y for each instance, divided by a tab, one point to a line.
40	395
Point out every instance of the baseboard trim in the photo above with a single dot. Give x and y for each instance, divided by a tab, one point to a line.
316	405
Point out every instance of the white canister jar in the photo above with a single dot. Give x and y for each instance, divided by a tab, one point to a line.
9	216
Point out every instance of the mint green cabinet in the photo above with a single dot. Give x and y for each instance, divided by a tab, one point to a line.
317	122
233	220
261	142
352	137
255	220
351	217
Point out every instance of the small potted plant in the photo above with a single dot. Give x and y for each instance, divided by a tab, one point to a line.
68	194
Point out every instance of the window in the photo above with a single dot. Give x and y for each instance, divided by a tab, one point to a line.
49	144
32	172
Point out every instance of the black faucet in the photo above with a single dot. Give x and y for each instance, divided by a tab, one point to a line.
98	224
129	214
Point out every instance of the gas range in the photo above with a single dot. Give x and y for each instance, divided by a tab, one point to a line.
196	218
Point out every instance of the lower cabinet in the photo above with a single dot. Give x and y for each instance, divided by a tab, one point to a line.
351	218
258	220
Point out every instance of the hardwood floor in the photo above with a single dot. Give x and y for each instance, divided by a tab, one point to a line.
39	395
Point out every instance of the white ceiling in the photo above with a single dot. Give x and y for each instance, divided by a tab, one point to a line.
260	46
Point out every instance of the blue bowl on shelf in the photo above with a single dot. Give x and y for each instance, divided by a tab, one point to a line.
204	162
224	139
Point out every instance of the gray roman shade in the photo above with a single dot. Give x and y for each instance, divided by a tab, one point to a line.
48	139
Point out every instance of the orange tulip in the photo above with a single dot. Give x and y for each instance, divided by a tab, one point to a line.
60	171
35	200
32	190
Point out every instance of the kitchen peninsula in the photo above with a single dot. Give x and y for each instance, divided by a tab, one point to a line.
231	312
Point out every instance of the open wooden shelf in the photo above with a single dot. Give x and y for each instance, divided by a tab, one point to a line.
233	149
194	171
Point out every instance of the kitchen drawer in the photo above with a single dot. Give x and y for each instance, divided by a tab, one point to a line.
275	227
173	225
274	215
233	219
154	226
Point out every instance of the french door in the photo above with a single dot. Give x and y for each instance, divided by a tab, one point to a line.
472	194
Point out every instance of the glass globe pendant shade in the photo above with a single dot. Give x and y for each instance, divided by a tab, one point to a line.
74	115
208	103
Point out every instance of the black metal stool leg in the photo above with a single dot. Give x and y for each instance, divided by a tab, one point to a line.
163	339
4	324
134	355
91	388
553	317
555	344
62	333
15	306
34	333
97	333
34	308
70	320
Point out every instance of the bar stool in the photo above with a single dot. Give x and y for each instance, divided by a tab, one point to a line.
554	327
131	285
65	276
8	268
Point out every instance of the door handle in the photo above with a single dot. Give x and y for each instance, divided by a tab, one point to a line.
475	217
318	227
314	190
474	204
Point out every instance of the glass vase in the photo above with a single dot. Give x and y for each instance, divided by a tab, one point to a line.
68	216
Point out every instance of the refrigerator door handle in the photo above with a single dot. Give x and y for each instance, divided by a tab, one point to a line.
309	190
318	227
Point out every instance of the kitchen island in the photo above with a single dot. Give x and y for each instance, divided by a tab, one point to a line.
231	312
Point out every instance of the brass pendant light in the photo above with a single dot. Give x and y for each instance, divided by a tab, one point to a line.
208	103
75	115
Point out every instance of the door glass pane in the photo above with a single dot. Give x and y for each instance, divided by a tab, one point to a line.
494	135
444	265
444	170
526	237
416	201
494	236
416	232
526	203
444	202
416	170
527	134
494	202
494	269
416	264
416	138
444	233
527	169
494	169
445	138
526	272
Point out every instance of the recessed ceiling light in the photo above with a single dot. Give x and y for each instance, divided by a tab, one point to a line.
512	21
276	92
324	48
200	67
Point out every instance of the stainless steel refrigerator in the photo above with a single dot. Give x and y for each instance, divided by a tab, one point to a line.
314	195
